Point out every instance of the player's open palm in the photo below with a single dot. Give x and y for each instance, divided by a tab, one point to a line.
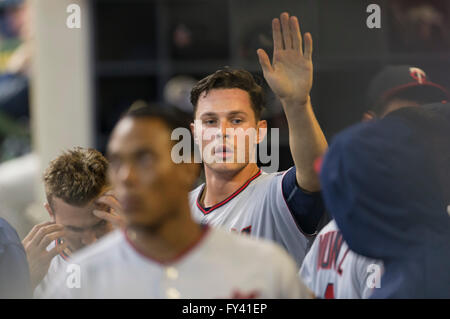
36	243
290	74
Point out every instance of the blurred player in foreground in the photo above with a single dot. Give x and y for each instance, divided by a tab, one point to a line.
14	273
283	207
387	184
77	201
330	268
162	252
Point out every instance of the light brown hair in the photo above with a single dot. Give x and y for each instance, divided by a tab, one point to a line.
76	176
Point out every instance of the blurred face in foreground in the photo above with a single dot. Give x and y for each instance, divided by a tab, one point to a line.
146	181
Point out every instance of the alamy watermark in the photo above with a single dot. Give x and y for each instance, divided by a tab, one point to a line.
73	280
235	145
374	278
374	19
73	20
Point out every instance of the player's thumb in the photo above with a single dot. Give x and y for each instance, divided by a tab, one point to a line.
264	60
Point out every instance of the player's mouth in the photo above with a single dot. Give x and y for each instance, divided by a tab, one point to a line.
223	151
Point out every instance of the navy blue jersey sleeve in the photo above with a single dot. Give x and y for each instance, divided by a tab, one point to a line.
307	208
14	272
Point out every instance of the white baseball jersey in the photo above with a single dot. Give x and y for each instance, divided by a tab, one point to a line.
257	208
57	264
219	265
331	270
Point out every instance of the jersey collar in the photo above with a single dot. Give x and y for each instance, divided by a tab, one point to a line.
206	211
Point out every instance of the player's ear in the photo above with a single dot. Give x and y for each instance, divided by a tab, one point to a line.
48	208
262	131
194	130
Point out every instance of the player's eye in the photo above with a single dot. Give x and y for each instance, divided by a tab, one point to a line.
236	121
209	122
145	159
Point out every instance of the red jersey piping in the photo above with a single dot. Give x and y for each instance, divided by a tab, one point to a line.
180	255
226	200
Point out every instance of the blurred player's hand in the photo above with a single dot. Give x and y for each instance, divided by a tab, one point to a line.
36	243
114	214
290	75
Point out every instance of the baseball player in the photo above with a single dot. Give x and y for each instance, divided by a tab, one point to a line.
284	207
330	268
14	273
386	183
77	202
162	252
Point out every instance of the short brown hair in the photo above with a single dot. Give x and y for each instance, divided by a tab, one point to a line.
229	79
76	176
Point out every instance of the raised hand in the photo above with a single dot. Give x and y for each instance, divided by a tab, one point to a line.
36	243
290	74
114	214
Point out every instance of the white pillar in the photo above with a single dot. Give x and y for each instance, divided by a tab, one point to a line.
61	88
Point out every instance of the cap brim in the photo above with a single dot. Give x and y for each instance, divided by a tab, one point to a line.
432	91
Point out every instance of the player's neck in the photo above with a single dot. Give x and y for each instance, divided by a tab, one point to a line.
219	186
173	238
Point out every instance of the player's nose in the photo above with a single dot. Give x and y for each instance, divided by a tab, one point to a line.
224	129
127	174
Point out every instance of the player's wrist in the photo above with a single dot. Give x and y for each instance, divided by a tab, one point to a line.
300	102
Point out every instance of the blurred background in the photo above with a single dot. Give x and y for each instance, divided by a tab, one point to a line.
62	87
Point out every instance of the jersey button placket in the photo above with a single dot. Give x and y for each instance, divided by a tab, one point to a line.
170	277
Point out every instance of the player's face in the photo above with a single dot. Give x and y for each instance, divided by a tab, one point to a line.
144	177
218	113
81	226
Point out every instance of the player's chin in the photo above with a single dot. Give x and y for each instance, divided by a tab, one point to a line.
225	167
149	225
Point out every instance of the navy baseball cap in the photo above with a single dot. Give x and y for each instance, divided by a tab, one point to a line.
394	80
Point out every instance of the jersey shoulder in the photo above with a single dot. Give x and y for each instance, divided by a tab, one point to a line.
193	194
331	226
100	250
244	247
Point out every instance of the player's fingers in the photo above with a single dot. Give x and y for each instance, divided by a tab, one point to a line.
56	250
34	230
296	34
286	30
308	46
111	201
276	34
43	231
48	238
114	219
264	61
